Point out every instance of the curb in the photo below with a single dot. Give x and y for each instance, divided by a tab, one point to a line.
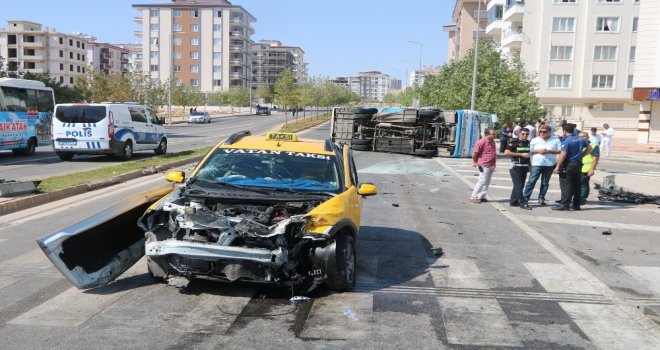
43	198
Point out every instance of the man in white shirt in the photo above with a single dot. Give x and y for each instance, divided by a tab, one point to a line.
532	130
606	141
594	137
516	130
544	149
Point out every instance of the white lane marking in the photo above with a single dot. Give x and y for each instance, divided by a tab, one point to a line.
648	274
6	281
559	278
582	222
474	321
608	327
467	319
644	174
630	310
70	308
36	213
340	316
457	273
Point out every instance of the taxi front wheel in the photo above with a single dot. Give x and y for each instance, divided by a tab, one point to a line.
344	280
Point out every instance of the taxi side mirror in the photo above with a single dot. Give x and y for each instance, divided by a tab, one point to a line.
175	176
367	190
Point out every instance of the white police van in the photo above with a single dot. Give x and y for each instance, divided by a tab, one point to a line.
106	128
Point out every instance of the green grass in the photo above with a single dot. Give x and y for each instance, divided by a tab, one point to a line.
55	183
306	123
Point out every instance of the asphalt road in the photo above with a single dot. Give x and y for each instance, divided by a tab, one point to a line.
181	137
435	271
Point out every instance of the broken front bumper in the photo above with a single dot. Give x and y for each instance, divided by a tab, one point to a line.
211	252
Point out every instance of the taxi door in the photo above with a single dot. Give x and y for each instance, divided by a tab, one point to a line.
351	181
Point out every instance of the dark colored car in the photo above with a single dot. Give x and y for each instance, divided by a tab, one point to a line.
265	110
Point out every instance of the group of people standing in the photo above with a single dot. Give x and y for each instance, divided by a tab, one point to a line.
573	155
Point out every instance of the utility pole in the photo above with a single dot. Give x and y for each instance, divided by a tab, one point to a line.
476	59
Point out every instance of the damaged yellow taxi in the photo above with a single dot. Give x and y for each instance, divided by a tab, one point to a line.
270	209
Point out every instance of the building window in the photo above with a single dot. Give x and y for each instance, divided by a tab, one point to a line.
61	41
630	82
217	82
71	55
83	70
194	55
559	81
602	81
607	24
194	41
177	68
71	80
609	1
194	82
83	58
217	55
563	24
153	41
153	13
82	46
62	80
153	68
635	24
194	69
153	54
217	41
70	42
62	53
217	13
566	111
70	68
217	69
176	13
495	13
561	52
77	44
612	107
177	55
633	50
177	41
78	69
603	53
176	27
564	1
217	27
61	66
194	27
194	13
153	27
78	56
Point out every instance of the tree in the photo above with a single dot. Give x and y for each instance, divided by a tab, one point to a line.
265	92
503	86
239	96
186	95
286	91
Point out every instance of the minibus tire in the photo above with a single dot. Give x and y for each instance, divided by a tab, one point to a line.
65	156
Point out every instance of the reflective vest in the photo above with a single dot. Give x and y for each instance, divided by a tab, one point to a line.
588	159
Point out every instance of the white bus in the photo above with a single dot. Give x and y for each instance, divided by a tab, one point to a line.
26	110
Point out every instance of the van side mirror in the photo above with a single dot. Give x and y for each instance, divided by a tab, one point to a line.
161	120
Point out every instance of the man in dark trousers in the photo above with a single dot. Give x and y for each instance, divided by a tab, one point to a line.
569	168
518	150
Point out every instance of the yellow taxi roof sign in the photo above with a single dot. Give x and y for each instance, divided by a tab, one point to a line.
281	136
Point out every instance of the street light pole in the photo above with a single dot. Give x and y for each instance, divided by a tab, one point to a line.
420	55
476	59
169	87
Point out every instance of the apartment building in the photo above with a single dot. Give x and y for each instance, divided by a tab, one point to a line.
463	29
342	81
134	56
371	86
270	58
108	59
417	76
583	53
204	44
31	47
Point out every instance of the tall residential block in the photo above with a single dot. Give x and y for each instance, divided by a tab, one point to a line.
30	47
464	27
270	58
204	44
107	58
371	86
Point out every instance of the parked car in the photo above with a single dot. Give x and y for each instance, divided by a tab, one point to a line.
265	110
270	209
107	128
199	117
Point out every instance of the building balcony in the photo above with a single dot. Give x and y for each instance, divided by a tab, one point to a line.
35	70
32	44
236	34
106	66
137	20
482	34
514	10
235	75
34	58
494	28
138	33
237	48
106	55
482	16
512	38
237	62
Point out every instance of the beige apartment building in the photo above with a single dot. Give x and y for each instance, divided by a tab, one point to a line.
30	47
463	29
204	44
583	53
371	86
107	58
270	58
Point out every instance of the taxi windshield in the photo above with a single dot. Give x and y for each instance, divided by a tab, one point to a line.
296	171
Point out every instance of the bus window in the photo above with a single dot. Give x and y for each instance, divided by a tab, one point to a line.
46	103
31	100
14	99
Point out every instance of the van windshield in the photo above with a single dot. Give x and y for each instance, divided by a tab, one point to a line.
80	114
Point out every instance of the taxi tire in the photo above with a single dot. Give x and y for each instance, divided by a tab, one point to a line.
345	278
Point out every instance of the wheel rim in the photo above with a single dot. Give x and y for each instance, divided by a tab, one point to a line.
349	263
163	146
128	150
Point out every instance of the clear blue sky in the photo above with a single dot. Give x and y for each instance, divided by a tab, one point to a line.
340	37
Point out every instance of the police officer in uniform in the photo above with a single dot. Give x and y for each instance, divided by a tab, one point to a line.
569	168
518	150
